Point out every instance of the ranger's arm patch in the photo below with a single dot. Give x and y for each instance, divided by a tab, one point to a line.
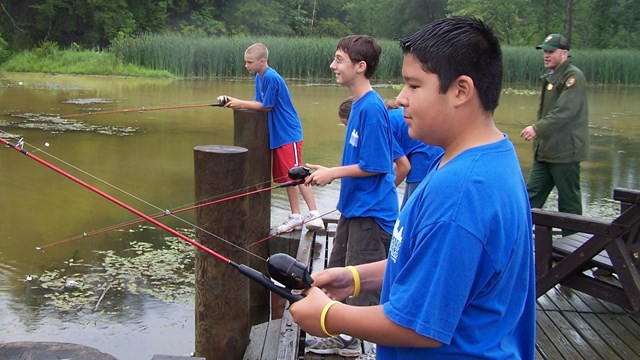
570	82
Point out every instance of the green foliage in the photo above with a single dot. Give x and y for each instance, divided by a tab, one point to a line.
309	58
48	58
97	23
165	273
4	52
187	56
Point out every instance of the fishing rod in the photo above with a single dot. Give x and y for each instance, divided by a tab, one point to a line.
165	213
220	102
281	267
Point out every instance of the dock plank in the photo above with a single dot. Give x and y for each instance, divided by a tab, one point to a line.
558	339
600	348
608	336
574	337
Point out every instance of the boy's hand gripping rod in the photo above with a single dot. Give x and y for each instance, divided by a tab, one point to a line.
281	267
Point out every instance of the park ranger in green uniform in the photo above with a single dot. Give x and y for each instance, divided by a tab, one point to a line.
560	135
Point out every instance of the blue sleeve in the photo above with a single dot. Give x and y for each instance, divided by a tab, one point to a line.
376	141
433	287
398	152
269	91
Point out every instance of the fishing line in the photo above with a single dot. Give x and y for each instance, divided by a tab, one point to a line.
21	143
284	269
187	207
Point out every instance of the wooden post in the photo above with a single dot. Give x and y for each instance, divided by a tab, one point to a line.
251	131
222	293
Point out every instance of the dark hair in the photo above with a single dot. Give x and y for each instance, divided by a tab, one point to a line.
345	108
457	46
362	48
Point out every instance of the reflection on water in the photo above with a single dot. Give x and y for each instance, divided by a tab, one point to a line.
151	168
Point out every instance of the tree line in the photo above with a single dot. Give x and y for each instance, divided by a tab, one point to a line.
96	24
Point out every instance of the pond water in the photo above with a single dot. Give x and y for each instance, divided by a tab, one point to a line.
129	292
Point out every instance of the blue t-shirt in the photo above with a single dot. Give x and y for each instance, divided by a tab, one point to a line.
461	267
420	155
284	123
369	143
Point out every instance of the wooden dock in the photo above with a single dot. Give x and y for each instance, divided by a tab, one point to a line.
570	324
573	325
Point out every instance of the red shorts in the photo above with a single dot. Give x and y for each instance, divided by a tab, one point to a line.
284	158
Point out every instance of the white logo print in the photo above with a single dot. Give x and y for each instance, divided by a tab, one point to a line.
396	241
353	141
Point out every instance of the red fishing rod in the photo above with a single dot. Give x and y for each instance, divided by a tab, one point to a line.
220	101
281	267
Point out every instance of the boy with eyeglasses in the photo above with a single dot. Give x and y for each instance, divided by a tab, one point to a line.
368	200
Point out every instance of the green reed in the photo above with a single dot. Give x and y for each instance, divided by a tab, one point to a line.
295	58
169	55
309	58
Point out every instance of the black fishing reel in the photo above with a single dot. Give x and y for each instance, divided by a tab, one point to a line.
299	172
289	272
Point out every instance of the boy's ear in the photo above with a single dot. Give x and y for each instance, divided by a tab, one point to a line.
361	66
463	89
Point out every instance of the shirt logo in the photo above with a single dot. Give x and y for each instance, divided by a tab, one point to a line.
396	241
353	140
550	87
570	82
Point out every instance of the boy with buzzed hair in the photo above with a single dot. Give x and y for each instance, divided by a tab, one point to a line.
368	200
459	281
285	134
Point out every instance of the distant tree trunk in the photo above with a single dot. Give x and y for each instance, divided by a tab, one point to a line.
313	15
547	16
569	19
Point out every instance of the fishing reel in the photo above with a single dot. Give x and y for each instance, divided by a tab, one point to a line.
289	272
221	100
299	173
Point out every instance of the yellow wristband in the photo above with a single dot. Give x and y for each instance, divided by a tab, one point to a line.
356	281
323	317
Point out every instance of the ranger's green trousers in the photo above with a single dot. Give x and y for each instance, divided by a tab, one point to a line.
565	177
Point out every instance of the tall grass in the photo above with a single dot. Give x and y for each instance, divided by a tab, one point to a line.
299	58
168	55
309	58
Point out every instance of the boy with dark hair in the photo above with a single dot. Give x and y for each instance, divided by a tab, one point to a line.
368	200
285	134
459	280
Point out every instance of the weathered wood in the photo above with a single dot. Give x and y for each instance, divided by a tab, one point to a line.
257	338
286	243
222	293
611	247
251	131
550	342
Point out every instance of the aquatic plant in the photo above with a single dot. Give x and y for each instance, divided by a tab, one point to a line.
164	272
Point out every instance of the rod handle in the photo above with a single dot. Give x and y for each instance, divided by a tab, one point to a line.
265	282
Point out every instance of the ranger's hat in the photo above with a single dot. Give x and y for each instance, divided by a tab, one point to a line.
554	41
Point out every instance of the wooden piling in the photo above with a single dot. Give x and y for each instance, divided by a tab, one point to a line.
251	131
222	294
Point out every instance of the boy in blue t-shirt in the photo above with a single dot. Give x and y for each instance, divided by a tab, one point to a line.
285	134
368	200
459	281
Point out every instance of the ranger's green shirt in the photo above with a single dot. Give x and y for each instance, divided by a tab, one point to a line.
562	128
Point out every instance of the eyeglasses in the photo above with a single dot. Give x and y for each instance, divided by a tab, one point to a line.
339	61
